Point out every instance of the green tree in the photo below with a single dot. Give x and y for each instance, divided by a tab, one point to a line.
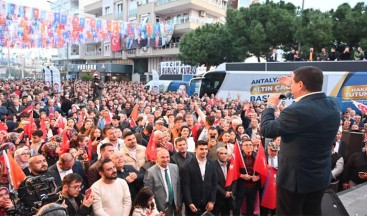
86	76
208	44
315	30
261	27
349	24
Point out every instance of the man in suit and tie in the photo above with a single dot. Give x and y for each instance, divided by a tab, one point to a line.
224	194
199	181
308	128
164	180
65	166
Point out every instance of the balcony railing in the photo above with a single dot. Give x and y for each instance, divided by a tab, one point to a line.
190	19
169	46
92	53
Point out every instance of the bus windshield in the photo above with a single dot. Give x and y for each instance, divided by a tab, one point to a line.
212	83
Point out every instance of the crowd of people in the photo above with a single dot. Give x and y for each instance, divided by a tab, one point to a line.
323	55
96	153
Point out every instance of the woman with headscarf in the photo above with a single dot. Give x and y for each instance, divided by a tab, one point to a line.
22	156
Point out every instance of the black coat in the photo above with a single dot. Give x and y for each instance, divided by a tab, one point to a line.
77	168
134	186
196	190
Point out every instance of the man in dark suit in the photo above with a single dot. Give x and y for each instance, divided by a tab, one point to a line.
182	155
224	194
307	128
64	166
164	180
127	172
199	181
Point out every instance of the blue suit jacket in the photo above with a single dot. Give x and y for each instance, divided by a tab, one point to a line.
308	128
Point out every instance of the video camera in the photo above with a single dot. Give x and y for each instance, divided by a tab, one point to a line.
42	188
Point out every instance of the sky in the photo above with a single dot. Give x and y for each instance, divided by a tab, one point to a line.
324	5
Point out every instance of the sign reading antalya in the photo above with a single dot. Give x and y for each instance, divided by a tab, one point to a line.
27	27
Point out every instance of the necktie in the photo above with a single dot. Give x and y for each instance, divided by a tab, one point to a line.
272	161
169	186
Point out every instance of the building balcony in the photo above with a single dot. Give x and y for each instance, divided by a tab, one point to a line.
94	8
171	49
213	7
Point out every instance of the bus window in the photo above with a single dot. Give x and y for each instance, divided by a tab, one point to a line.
212	83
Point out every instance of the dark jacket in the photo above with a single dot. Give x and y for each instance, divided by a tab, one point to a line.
134	186
77	168
83	210
196	190
308	128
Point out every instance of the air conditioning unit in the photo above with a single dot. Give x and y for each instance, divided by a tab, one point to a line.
202	13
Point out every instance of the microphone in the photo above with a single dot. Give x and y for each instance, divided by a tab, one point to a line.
286	95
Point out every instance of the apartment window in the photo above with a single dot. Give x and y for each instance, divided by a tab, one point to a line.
179	18
107	10
119	10
185	17
107	48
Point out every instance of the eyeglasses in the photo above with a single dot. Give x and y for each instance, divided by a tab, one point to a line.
77	187
247	145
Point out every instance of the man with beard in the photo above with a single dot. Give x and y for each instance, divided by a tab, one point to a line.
111	194
76	203
38	166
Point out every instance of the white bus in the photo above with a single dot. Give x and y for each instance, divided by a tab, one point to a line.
257	81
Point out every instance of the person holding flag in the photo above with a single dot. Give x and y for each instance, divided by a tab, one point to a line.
248	183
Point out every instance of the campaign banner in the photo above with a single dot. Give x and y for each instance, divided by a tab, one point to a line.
258	86
56	79
48	76
26	27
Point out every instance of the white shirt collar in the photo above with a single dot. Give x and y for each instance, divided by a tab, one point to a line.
312	93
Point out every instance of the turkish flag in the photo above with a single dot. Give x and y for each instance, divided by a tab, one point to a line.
27	110
151	151
3	127
261	165
195	130
116	42
235	165
270	190
132	123
65	143
31	126
135	113
362	107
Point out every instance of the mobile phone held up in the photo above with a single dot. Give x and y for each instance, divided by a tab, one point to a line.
88	193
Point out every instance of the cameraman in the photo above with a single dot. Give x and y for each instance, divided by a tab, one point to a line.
5	202
71	197
97	86
30	197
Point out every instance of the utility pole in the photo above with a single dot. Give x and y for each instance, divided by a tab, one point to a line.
303	6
